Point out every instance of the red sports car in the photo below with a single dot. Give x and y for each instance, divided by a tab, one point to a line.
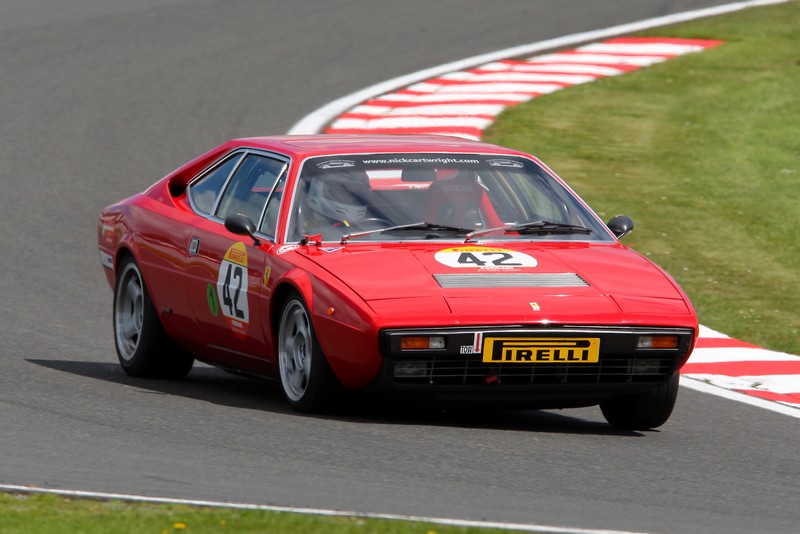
419	266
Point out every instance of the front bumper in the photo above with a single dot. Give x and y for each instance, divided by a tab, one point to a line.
560	378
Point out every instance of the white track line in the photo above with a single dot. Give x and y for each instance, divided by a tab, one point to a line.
527	527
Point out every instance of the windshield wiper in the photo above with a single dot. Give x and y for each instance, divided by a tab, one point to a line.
534	227
548	227
416	227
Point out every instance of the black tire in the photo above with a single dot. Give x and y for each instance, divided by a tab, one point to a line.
641	411
143	348
309	384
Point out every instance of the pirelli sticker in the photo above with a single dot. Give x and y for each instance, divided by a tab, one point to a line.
541	350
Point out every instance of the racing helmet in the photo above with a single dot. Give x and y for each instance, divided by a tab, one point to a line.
341	196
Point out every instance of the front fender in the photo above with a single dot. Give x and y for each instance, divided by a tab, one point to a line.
344	325
297	279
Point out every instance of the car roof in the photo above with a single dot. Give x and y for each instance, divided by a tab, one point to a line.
319	144
303	146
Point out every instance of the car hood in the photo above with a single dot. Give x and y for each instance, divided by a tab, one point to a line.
508	282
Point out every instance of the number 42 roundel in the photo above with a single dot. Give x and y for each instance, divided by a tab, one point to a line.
484	257
232	289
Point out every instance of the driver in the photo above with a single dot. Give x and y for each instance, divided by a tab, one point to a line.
338	201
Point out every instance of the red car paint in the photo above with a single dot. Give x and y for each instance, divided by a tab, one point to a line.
359	288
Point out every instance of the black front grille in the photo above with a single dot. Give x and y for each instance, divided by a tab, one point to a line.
459	362
447	369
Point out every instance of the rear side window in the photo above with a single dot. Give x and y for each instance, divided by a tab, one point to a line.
205	191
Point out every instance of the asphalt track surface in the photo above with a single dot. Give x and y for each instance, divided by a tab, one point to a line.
100	98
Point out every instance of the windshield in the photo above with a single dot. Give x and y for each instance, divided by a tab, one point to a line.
469	197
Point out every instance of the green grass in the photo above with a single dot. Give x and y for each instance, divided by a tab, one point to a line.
51	514
703	152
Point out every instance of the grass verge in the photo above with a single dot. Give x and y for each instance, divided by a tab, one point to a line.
30	513
703	152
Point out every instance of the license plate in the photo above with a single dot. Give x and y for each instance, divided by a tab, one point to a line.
541	350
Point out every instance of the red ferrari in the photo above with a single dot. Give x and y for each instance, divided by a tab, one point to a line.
418	266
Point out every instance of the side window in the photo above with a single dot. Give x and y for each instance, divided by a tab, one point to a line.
270	223
521	197
204	192
249	188
542	200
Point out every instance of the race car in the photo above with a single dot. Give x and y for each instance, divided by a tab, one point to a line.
415	267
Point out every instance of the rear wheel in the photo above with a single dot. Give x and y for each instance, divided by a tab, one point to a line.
641	411
143	348
308	382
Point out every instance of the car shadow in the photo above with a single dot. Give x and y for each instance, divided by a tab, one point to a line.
204	383
209	384
387	411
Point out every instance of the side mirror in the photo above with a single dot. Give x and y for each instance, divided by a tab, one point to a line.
242	225
620	226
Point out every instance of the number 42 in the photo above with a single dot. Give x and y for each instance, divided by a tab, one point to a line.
232	280
502	259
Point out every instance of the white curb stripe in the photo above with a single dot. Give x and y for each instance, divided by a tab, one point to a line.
472	77
429	109
489	87
659	49
600	59
410	97
413	122
711	333
518	66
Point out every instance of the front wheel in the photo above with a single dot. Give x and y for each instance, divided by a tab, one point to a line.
143	348
641	411
306	377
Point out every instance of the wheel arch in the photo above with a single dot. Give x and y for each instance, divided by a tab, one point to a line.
126	249
348	369
294	280
122	252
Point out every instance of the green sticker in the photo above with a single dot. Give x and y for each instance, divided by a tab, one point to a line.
213	303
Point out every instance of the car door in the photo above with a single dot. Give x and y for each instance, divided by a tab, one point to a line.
226	272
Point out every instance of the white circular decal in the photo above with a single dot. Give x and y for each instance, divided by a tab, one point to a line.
232	289
484	258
